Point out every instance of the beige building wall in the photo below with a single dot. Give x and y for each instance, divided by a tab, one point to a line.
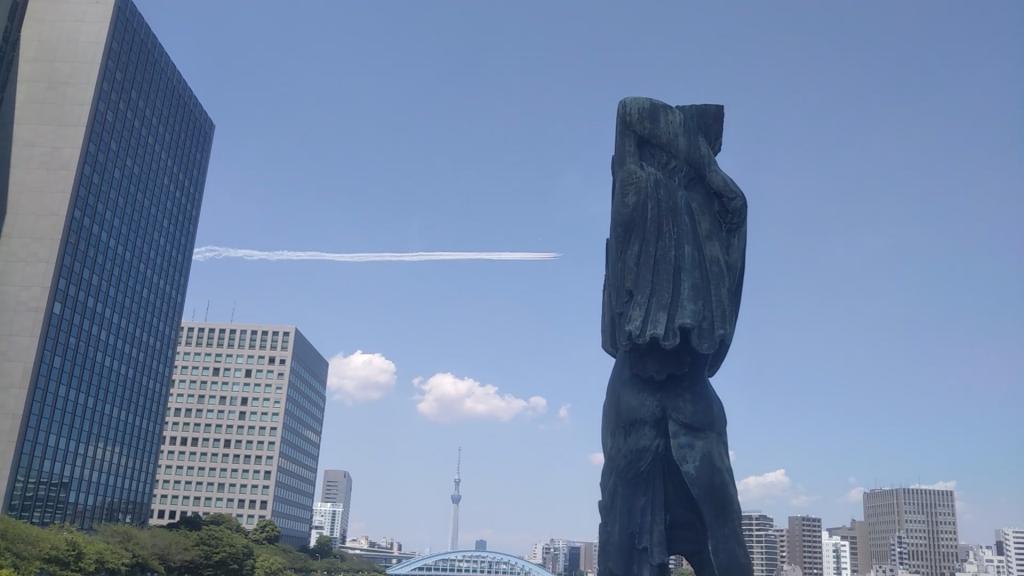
62	44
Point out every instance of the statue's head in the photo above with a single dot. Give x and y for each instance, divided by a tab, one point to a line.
708	120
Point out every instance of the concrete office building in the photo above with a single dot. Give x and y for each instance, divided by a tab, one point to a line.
1010	545
835	555
243	425
804	549
336	488
762	544
856	535
912	529
103	157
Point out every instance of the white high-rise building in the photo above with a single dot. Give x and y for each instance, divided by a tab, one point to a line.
835	555
1010	543
328	520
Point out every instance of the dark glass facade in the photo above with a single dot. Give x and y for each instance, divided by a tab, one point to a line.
91	439
300	442
12	14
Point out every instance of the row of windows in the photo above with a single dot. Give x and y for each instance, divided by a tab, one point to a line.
226	443
217	502
219	487
212	400
214	458
228	386
201	471
247	519
207	357
211	414
215	337
258	374
218	428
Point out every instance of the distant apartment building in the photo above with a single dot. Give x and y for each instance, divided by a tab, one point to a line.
912	529
480	545
762	543
856	535
336	489
981	561
565	557
782	537
804	546
835	555
327	521
1010	545
242	429
104	151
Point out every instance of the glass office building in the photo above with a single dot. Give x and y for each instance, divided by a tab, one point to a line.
108	156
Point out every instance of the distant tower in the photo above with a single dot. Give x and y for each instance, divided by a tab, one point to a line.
456	498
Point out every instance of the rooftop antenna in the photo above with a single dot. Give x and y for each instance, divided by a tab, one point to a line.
206	316
233	303
193	313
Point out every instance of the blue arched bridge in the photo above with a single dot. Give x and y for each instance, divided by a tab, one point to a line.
469	563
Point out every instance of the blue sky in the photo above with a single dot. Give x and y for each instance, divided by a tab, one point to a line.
880	146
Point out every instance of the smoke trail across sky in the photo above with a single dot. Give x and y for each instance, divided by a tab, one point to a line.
205	253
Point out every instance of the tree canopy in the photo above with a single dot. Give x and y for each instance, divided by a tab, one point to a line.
194	546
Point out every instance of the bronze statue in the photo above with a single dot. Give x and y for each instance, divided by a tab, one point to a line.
673	279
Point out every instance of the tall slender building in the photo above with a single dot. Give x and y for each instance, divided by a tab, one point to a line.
243	425
456	499
912	529
804	549
336	490
103	157
762	543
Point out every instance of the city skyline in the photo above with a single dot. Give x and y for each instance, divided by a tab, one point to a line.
855	352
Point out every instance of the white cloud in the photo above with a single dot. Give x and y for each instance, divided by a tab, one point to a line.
563	413
767	486
802	500
360	377
940	485
445	397
855	495
205	253
596	458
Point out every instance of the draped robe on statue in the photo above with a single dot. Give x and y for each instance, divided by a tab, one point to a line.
674	275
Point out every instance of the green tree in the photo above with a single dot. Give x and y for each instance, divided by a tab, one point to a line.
270	565
72	553
322	547
265	532
219	551
152	550
224	520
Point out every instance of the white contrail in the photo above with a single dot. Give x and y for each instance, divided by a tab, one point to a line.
216	252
